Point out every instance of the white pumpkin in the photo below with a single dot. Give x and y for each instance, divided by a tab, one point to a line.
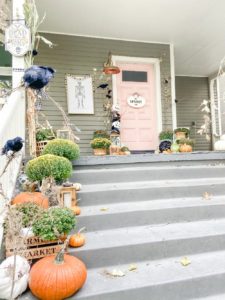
77	186
220	145
21	277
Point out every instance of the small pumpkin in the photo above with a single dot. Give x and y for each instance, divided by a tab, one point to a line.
77	239
175	147
77	186
76	210
57	278
35	197
185	148
220	144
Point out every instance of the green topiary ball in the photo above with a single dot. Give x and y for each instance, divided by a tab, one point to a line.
48	165
62	147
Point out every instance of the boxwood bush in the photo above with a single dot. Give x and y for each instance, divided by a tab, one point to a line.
48	165
62	147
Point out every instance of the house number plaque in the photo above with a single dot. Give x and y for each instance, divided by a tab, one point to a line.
136	101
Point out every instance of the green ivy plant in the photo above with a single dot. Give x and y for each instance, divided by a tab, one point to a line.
54	223
48	165
44	134
100	143
62	147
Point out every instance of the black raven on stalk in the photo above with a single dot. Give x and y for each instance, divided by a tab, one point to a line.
13	146
37	77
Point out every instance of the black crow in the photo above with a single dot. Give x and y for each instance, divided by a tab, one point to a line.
164	145
37	77
103	86
13	145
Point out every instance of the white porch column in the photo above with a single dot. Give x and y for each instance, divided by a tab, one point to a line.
173	87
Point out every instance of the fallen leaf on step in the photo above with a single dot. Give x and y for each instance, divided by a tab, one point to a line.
115	273
185	261
206	196
132	268
104	208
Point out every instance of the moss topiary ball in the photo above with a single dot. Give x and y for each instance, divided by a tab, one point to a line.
48	165
62	147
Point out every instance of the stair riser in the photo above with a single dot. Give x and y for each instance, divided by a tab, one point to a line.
141	218
143	175
129	195
99	258
179	290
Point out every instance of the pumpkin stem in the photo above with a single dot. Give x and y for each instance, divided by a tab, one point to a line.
59	259
82	229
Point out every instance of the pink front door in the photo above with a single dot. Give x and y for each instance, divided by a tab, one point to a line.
138	124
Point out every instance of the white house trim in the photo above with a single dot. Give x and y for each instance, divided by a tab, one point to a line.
5	71
173	87
137	60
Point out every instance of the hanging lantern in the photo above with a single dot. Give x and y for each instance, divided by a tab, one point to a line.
109	68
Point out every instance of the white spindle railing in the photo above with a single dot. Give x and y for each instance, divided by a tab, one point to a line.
12	124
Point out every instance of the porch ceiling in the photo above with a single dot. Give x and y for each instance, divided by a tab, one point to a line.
195	27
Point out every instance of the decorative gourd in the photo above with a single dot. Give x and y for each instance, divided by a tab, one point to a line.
220	145
185	148
21	277
76	210
77	239
57	278
175	147
35	197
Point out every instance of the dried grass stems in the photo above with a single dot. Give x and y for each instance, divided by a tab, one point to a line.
50	190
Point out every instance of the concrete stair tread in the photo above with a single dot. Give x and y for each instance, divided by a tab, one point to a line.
151	184
123	207
127	236
134	168
153	273
215	297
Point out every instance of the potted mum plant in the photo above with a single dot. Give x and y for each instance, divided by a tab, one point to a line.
166	135
100	146
182	133
43	135
186	145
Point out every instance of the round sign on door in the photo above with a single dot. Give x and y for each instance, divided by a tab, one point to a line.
136	101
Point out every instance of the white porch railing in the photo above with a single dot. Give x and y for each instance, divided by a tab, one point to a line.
12	124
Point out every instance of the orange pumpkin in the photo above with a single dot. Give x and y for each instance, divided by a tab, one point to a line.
35	197
185	148
57	278
76	210
77	240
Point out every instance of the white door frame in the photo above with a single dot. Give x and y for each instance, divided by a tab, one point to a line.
145	60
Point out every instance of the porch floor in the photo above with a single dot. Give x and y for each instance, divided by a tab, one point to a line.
218	156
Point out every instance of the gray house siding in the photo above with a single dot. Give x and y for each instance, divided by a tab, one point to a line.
190	92
78	56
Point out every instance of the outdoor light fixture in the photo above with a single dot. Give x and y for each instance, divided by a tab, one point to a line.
109	68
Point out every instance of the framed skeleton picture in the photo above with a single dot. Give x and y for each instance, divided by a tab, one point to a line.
79	94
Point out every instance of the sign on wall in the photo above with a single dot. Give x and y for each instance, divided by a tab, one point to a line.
136	101
17	39
79	94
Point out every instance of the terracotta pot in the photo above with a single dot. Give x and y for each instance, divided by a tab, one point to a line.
99	151
185	148
180	135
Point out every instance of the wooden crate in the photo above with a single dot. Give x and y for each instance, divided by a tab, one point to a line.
36	248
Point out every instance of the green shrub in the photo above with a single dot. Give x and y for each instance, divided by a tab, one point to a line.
100	134
100	143
62	147
48	165
54	222
44	134
166	135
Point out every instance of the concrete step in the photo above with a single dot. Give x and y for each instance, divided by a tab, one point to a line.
150	242
100	194
145	173
159	280
98	217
